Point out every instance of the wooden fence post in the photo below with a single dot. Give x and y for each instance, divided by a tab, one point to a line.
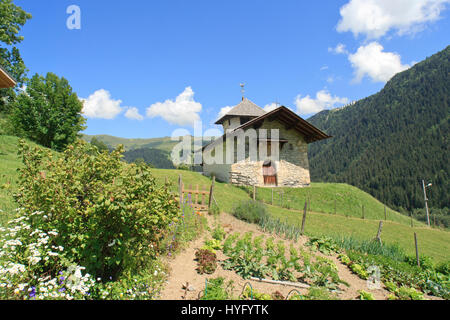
304	218
211	192
272	197
335	208
417	250
385	213
254	192
412	223
363	215
380	228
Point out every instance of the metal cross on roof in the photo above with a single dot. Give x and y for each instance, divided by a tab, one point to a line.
242	90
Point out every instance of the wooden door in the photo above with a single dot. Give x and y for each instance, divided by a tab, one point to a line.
270	174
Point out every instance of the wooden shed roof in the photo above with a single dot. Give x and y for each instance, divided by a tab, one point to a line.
6	80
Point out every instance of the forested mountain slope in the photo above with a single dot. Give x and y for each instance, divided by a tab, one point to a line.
387	143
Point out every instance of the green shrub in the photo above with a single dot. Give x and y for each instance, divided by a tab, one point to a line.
426	263
110	216
444	268
250	211
218	233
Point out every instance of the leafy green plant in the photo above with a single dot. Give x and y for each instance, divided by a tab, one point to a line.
359	270
326	245
426	263
255	295
444	268
111	216
206	261
218	233
363	295
404	292
344	259
212	245
216	289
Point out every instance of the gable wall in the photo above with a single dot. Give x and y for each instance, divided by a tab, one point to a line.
292	167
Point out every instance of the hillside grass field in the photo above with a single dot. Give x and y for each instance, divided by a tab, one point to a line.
396	230
321	221
9	163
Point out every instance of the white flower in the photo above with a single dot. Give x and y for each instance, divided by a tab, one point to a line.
78	272
112	243
22	286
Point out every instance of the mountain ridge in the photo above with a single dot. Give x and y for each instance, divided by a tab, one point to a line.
388	142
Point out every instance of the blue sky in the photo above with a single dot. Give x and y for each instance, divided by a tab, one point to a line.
146	68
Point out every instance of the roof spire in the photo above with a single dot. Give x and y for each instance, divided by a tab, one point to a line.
242	90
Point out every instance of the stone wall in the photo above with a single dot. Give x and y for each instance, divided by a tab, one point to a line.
292	166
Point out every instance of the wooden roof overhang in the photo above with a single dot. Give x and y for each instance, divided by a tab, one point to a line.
284	115
290	121
6	81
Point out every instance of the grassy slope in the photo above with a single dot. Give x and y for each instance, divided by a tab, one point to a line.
432	242
9	162
322	196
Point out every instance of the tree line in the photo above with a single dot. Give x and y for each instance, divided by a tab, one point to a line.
388	143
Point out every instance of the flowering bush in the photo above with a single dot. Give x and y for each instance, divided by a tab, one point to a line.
33	268
110	216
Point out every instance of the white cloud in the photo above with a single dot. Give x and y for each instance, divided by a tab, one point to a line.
224	111
372	61
271	107
323	100
324	68
181	111
100	105
339	49
133	114
375	18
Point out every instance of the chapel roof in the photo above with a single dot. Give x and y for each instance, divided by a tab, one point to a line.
244	109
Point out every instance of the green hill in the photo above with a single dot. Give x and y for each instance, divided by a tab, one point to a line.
387	143
154	157
433	242
165	143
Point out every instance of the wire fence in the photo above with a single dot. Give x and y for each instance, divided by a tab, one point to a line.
337	204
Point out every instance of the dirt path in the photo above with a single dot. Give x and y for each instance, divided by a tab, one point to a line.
183	270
